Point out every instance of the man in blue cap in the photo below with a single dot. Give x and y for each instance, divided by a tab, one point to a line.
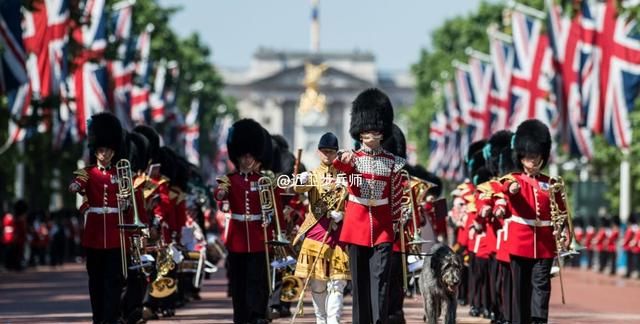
321	231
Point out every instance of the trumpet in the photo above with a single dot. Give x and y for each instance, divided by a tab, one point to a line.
126	198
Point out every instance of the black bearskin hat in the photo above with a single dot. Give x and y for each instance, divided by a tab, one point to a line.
283	160
105	130
506	163
139	156
494	147
474	158
167	162
396	143
477	167
371	110
532	137
246	136
153	138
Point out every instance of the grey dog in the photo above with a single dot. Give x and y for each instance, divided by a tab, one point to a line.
439	280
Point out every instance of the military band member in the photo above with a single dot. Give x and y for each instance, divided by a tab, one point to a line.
627	246
250	150
99	184
532	244
371	208
320	233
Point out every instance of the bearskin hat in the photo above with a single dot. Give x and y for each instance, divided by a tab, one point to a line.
494	147
474	158
396	143
371	110
506	162
246	136
167	163
475	164
138	147
481	175
153	138
532	137
283	160
105	130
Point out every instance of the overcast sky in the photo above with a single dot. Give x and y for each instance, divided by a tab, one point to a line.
394	31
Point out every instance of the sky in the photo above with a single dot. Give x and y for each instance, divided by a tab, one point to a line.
394	31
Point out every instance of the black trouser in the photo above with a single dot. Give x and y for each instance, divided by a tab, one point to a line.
481	293
589	259
531	289
505	290
492	279
472	281
105	284
370	270
463	290
133	295
396	288
630	263
603	258
249	286
613	260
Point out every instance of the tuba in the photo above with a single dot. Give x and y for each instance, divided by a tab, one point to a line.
126	198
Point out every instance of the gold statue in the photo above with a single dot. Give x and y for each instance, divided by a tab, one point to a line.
312	98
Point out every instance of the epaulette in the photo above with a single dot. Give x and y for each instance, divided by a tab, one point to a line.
149	188
163	179
508	177
485	187
139	181
224	182
82	174
181	197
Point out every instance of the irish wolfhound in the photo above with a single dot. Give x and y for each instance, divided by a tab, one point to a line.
439	280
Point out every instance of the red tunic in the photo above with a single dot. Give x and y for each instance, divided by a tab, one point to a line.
588	238
612	240
8	229
530	231
101	217
629	233
372	204
244	230
598	240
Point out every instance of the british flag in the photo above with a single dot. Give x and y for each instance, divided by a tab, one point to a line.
456	135
191	132
480	74
141	88
13	71
89	84
573	62
502	57
121	69
616	57
437	148
531	82
45	35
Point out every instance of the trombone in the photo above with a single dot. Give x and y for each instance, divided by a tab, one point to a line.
126	198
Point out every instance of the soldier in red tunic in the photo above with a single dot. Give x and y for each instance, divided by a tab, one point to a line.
250	150
532	244
629	234
99	184
371	208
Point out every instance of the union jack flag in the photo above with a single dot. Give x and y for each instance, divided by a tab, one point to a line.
191	133
502	57
13	71
141	89
437	148
573	62
456	138
45	35
121	70
480	73
531	82
89	84
616	53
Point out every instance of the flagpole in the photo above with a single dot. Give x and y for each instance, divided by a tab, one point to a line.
19	179
625	186
526	10
315	27
477	54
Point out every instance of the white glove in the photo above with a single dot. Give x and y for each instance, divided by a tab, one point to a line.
336	216
303	177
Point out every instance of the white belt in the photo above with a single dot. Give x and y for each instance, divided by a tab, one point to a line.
369	202
530	222
246	217
103	210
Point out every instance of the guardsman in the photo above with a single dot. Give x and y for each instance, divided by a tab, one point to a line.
323	260
98	182
629	234
250	150
371	205
532	244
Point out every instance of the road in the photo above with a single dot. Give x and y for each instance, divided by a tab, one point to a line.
60	295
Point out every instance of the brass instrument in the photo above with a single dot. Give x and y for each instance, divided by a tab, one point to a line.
164	286
126	199
559	218
137	246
